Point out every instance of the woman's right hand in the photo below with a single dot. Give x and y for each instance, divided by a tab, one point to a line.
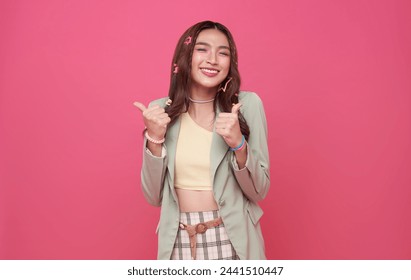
155	119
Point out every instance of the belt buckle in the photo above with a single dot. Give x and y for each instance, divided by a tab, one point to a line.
201	228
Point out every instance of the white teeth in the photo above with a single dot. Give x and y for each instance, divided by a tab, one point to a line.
210	71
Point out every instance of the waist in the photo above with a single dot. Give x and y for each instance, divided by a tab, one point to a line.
194	200
193	188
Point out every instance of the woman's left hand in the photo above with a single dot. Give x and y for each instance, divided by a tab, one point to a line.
228	126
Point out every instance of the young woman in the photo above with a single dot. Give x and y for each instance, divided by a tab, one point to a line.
205	159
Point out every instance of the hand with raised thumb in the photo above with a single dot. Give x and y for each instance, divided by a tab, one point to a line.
228	126
155	119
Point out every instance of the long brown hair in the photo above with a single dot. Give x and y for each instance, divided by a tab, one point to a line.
180	82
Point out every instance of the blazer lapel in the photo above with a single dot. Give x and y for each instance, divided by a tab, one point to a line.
219	148
171	144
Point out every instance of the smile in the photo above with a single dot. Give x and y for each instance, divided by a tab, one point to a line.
209	72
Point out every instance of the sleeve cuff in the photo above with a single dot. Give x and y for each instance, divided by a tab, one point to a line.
163	152
234	160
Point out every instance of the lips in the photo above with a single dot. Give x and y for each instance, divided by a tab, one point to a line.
210	72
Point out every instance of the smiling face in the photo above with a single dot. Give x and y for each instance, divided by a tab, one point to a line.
210	63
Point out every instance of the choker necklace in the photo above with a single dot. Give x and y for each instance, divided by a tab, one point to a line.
201	101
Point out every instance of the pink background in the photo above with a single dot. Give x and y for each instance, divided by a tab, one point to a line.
334	77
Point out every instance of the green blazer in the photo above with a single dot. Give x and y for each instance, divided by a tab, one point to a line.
235	191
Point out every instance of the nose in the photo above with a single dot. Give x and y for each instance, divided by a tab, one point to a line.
212	58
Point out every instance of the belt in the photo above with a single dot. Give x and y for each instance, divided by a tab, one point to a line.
192	231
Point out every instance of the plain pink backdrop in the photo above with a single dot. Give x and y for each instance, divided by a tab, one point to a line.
334	77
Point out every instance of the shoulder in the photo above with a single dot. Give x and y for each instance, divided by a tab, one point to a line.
161	102
250	101
252	110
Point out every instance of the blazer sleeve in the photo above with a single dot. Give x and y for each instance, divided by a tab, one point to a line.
153	172
254	178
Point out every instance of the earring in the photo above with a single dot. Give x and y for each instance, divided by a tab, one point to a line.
175	68
226	84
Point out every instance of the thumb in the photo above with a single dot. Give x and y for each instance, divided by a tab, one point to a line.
140	106
236	108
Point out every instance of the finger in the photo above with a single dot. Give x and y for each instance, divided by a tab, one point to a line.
221	122
220	125
223	128
163	116
154	110
220	131
164	122
230	120
225	115
140	106
236	108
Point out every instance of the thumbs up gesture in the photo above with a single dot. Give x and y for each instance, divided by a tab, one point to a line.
228	126
155	119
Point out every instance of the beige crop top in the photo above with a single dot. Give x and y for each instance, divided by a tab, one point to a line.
192	162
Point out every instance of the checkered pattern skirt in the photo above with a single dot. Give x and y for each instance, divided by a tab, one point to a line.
211	245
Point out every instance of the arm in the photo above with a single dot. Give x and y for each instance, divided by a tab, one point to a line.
153	171
154	165
254	176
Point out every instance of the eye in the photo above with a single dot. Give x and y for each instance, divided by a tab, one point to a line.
201	50
224	53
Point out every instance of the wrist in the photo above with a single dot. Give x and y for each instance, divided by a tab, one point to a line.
154	140
240	146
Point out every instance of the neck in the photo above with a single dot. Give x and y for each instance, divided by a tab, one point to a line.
202	114
198	101
202	101
201	95
201	108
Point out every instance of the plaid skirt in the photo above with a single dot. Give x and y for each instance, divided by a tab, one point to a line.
211	245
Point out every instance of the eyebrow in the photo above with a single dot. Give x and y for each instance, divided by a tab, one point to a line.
208	45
